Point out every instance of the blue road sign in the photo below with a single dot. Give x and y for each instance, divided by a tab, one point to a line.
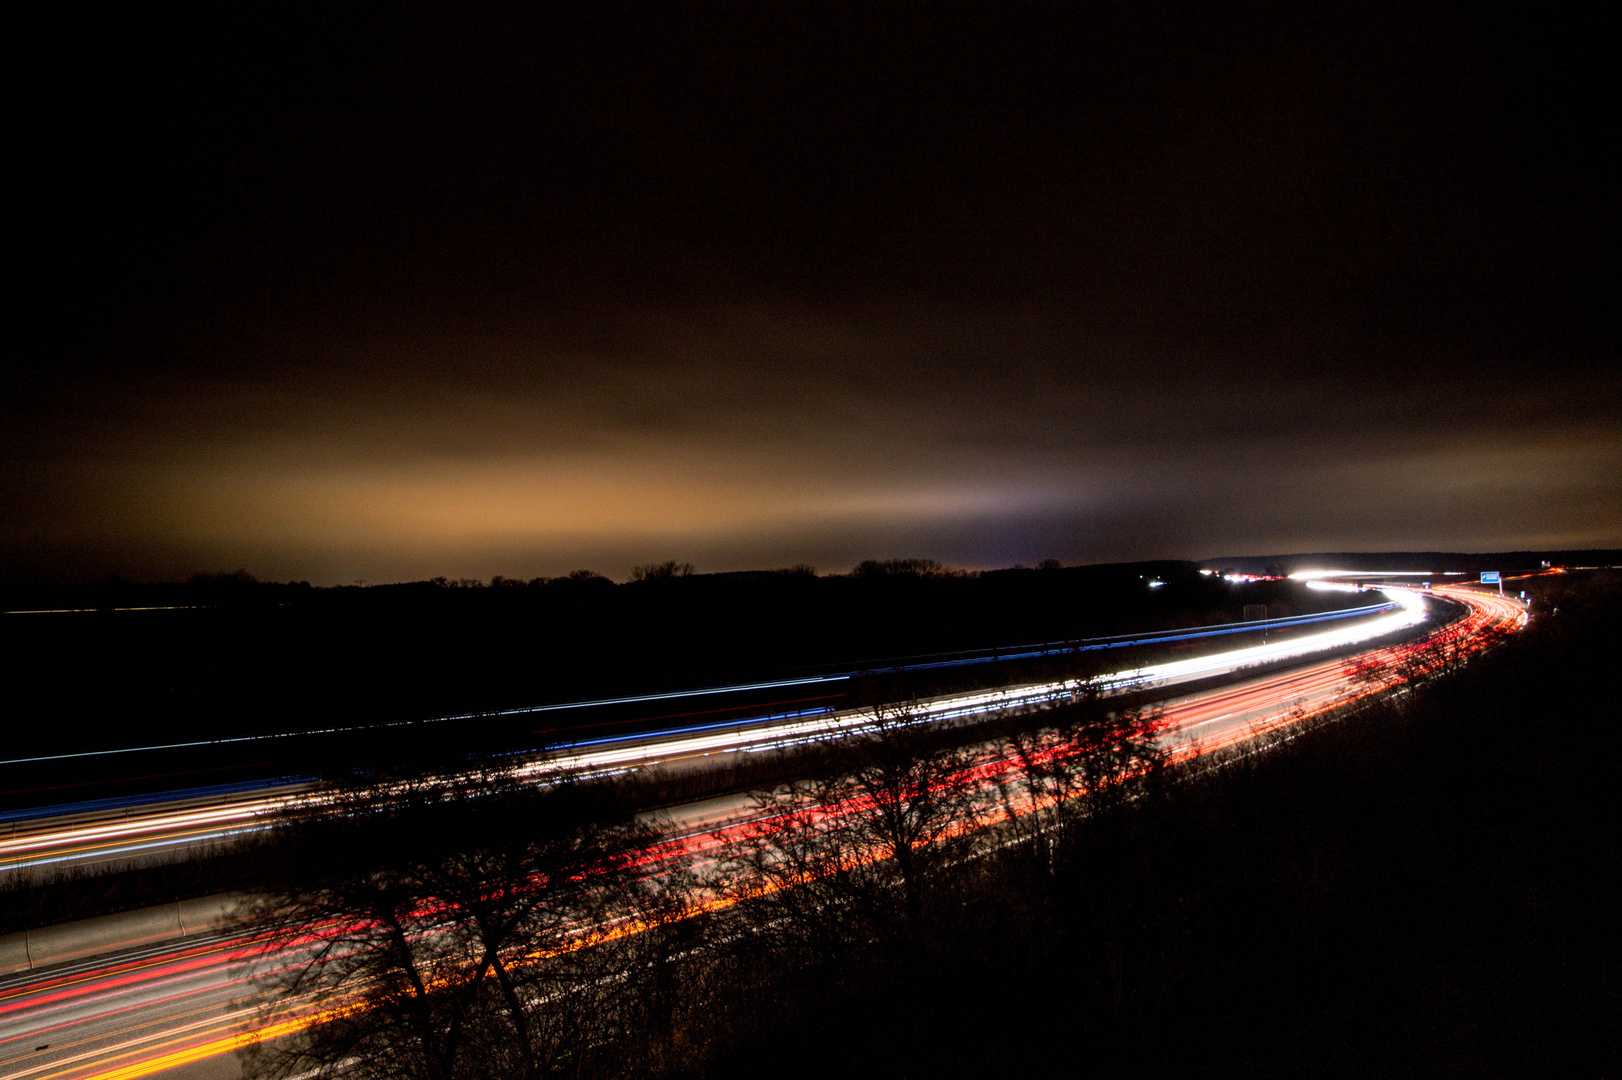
1490	577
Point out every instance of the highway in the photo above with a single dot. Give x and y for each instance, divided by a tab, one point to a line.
126	834
180	1007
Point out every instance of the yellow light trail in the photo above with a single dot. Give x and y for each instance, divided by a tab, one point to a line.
186	1055
1488	614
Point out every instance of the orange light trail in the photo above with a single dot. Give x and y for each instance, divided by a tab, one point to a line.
1314	690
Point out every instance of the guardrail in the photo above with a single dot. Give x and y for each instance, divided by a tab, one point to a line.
49	946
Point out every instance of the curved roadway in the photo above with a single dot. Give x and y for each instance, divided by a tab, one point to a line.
181	1007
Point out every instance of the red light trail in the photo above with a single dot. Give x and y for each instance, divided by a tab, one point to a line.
170	1005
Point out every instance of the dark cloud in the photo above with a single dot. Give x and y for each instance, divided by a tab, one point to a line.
339	299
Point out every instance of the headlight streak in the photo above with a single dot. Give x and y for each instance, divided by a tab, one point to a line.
1410	612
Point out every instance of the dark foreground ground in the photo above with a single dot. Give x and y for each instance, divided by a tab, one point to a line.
1429	887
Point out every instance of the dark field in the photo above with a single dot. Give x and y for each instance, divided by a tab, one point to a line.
276	659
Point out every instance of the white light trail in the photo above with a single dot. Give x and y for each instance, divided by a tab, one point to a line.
637	751
754	739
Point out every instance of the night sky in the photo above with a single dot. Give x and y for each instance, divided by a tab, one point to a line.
384	295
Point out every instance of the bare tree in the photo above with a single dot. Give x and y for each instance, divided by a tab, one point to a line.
857	851
670	568
351	939
1416	663
447	927
1072	760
